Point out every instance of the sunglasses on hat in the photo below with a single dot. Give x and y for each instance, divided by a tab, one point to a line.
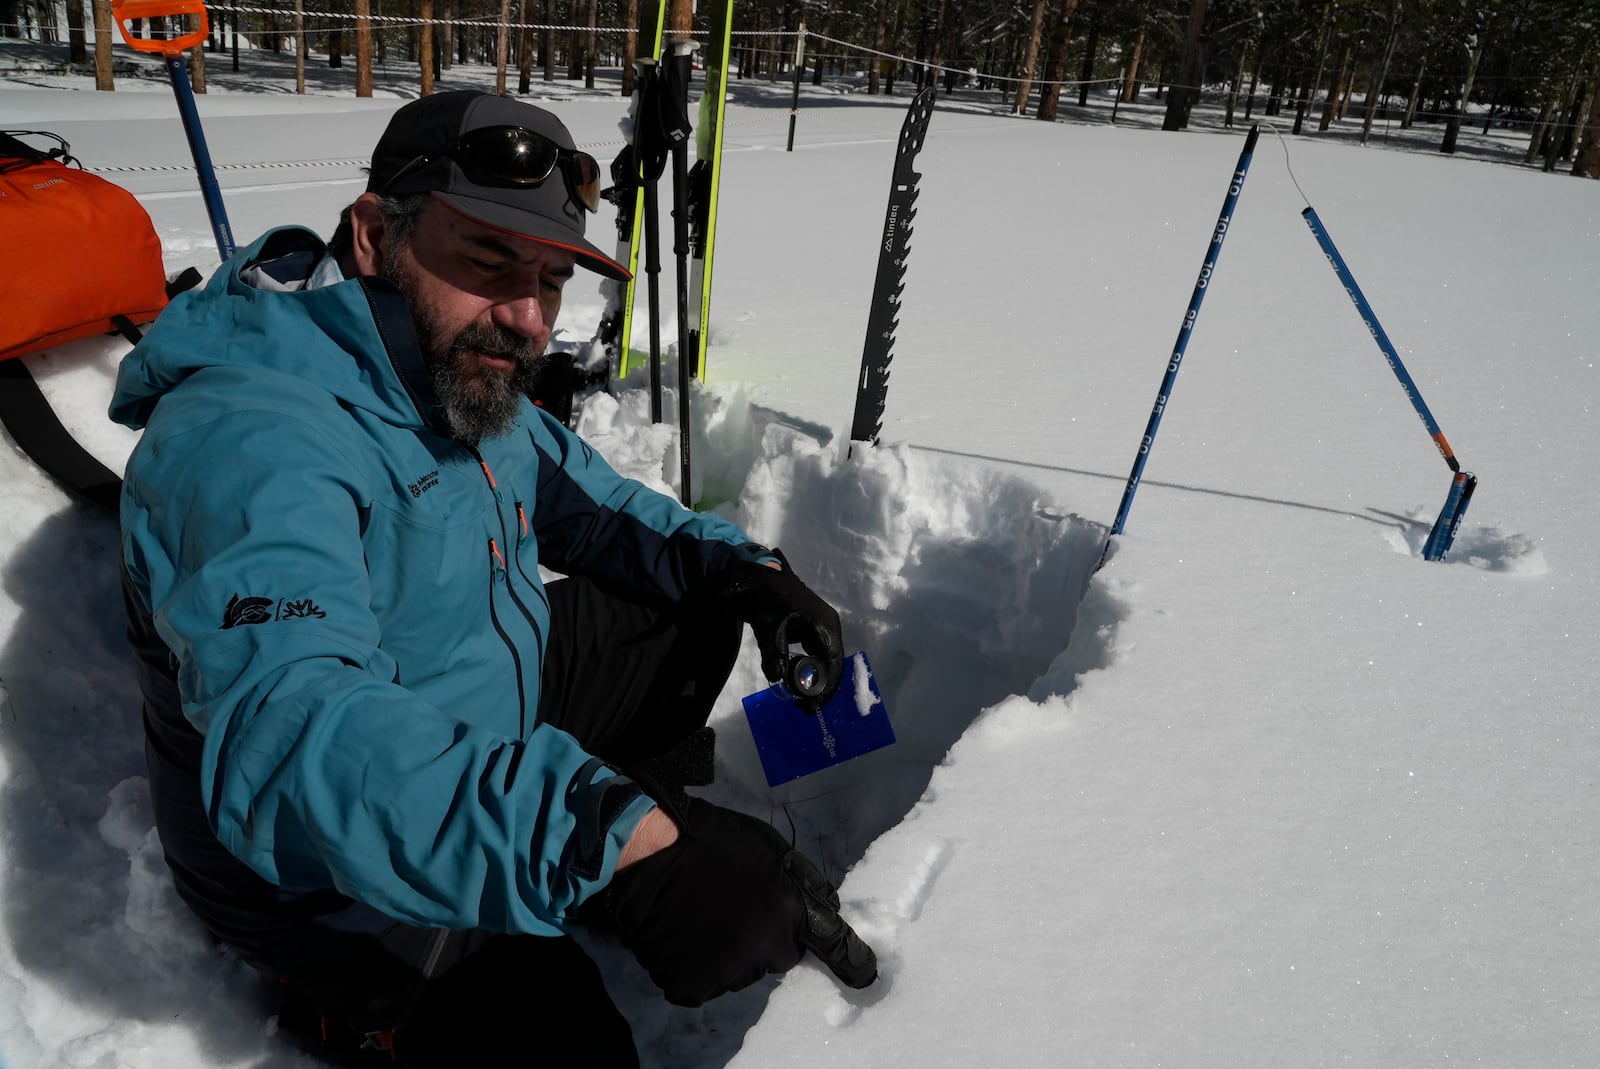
514	156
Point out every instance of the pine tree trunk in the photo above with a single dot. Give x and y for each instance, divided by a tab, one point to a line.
447	47
1566	115
1088	58
827	23
363	48
1255	80
630	46
1324	38
77	43
1551	147
197	58
1587	164
548	46
591	44
938	44
425	46
103	31
1349	89
1572	130
1301	103
47	21
1190	71
502	47
1372	104
895	38
1130	83
1452	129
1541	126
1050	93
524	60
300	47
1330	107
1029	58
1416	94
877	46
1238	84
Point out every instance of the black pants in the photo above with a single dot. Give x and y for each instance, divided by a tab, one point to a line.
631	683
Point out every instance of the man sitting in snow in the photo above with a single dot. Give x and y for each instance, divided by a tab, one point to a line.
391	767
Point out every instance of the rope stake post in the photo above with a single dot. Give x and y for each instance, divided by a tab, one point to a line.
172	51
799	65
1207	273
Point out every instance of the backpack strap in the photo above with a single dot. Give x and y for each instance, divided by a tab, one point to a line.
32	423
34	426
16	153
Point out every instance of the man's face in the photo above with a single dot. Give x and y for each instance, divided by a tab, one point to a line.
484	303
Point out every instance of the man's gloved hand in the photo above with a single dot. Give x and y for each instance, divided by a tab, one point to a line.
781	611
727	904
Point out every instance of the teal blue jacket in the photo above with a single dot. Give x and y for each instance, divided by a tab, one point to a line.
352	602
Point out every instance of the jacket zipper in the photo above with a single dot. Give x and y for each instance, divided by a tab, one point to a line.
533	624
496	569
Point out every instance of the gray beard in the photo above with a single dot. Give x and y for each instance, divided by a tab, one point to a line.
478	402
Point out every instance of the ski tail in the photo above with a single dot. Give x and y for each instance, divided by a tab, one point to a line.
705	179
894	247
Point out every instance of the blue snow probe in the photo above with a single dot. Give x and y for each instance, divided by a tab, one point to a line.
172	51
1462	483
210	192
1206	270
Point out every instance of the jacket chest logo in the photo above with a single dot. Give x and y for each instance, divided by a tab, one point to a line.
424	484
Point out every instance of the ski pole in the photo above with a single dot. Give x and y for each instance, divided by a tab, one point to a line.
650	143
172	51
1462	483
677	90
1204	280
652	270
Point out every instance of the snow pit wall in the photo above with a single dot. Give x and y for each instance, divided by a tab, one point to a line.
963	585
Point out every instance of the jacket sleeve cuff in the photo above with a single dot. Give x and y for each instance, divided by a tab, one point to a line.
608	809
755	553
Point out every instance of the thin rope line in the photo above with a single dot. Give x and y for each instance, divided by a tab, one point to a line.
1286	166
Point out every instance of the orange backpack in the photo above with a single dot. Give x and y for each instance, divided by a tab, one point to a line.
81	259
80	251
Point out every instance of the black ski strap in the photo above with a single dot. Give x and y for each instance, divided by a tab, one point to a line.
34	426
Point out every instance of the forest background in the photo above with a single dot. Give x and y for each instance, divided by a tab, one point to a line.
1526	65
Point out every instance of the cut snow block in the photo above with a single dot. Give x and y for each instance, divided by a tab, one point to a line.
793	743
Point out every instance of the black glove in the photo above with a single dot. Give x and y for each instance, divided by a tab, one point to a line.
725	905
783	612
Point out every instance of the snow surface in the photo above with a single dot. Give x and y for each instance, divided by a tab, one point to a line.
1267	789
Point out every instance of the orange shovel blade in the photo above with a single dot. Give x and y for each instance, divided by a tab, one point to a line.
123	10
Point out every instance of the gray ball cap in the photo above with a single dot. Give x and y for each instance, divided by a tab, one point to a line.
430	126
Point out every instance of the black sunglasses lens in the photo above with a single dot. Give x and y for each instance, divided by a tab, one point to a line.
519	157
509	154
586	180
